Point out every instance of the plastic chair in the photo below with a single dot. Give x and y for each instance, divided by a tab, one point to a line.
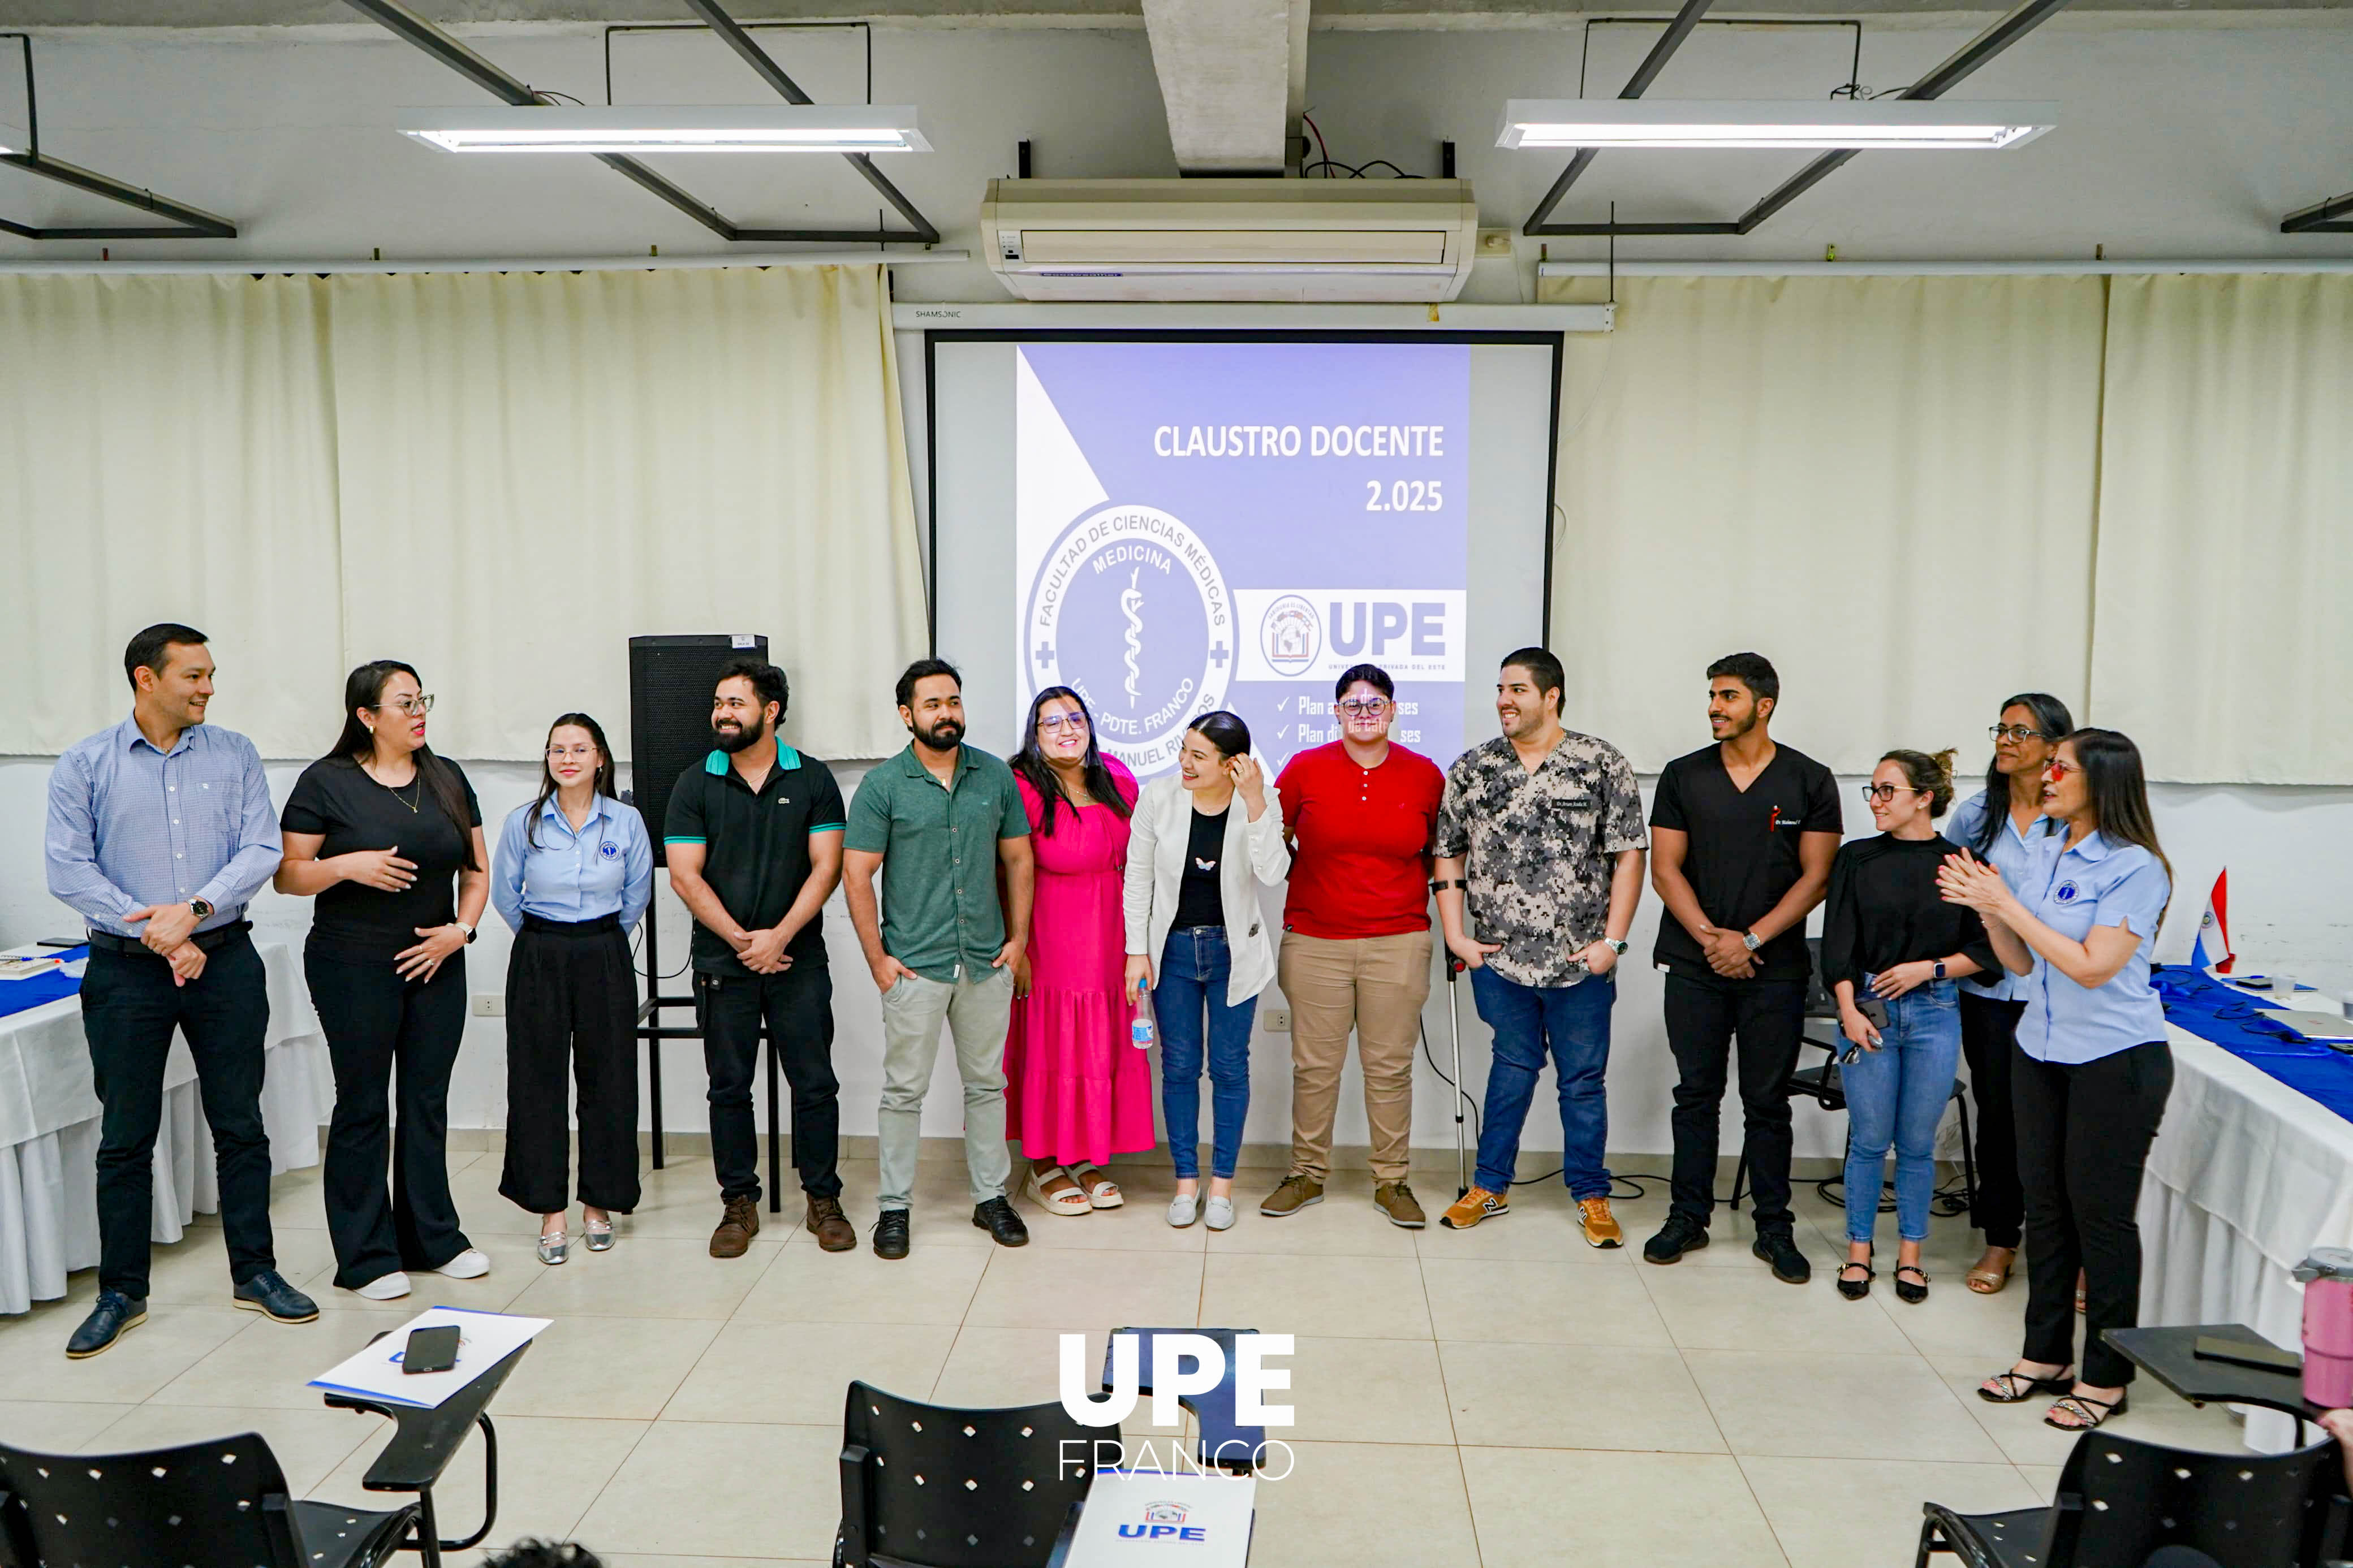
2122	1503
220	1504
925	1486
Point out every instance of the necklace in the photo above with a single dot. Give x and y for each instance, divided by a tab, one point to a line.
413	805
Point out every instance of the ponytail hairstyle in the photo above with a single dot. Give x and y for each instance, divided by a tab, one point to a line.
1029	762
1932	773
2054	723
2119	790
364	687
605	782
1224	731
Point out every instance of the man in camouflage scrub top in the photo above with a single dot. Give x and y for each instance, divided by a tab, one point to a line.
1542	829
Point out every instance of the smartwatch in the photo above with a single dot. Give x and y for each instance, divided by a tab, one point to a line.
1940	969
1749	940
462	926
203	908
1615	946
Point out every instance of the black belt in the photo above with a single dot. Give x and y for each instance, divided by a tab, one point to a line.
533	923
107	941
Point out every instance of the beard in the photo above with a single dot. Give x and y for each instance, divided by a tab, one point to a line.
1736	728
732	740
942	736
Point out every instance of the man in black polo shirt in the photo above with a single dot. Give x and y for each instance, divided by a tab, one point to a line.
1742	835
754	849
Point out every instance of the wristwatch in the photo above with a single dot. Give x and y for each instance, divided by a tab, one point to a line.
462	926
202	907
1615	946
1749	940
1940	969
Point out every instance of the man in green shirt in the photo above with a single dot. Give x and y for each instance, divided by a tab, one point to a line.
937	820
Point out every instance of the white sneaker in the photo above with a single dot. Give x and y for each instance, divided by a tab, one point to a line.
1184	1209
389	1287
471	1264
1219	1215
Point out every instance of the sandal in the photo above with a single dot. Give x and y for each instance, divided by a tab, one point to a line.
2081	1409
1856	1290
1915	1294
1989	1281
1069	1201
1102	1191
2016	1388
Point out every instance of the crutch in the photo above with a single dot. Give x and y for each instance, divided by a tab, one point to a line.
1454	1032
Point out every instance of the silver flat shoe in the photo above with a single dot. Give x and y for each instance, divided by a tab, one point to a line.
554	1249
600	1239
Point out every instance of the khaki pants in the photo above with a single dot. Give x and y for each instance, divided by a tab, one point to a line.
976	1010
1377	985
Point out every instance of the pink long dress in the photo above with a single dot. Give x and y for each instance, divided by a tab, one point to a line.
1075	1089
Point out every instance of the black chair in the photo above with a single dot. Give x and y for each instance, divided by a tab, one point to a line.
924	1485
2122	1502
1821	1084
220	1504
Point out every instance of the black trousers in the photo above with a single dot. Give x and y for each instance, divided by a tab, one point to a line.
797	1005
129	1009
1989	1039
387	1036
572	1009
1705	1018
2083	1133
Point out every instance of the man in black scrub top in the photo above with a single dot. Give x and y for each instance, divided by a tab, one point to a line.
1742	835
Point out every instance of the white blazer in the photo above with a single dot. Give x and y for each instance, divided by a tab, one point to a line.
1159	834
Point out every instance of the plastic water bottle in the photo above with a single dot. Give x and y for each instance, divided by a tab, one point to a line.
1140	1033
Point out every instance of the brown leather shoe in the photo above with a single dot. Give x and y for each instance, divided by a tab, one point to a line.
833	1232
736	1229
1296	1192
1395	1199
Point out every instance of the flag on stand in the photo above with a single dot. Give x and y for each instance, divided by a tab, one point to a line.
2212	948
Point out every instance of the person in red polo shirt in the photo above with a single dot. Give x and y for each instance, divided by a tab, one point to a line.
1355	947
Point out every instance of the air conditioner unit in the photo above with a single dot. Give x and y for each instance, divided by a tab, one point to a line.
1300	240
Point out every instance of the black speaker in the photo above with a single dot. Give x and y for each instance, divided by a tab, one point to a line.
670	680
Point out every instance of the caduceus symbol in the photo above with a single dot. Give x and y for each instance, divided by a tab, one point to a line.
1131	599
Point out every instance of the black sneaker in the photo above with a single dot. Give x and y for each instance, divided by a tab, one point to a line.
268	1294
890	1234
997	1217
115	1315
1778	1248
1680	1235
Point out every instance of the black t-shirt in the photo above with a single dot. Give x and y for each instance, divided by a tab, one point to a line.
1201	901
1885	909
335	797
1744	850
755	854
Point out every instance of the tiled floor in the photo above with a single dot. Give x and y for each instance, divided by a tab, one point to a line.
1503	1397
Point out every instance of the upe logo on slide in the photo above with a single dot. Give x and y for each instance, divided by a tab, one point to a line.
1289	635
1129	608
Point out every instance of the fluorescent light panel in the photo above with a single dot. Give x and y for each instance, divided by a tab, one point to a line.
1888	123
738	128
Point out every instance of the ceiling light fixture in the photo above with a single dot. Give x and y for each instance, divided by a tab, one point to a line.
1871	123
757	127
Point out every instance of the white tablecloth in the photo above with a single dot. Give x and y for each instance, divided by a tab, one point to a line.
2245	1178
49	1128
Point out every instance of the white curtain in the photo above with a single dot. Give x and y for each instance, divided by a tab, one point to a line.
2226	527
1885	485
167	454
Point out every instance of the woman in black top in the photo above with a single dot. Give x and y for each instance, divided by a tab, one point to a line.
1892	946
377	830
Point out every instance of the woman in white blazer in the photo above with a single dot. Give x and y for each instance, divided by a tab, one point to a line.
1197	937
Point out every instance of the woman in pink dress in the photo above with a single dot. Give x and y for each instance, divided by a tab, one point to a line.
1076	1090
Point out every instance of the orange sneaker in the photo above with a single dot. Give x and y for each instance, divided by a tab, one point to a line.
1475	1205
1600	1225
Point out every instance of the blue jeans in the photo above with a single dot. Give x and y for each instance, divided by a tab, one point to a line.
1194	968
1572	1021
1896	1094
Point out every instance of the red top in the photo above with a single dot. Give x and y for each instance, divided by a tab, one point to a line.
1360	866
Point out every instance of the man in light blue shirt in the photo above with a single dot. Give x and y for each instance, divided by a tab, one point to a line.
160	832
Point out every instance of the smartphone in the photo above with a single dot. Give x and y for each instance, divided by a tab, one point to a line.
1874	1011
430	1350
2267	1358
64	942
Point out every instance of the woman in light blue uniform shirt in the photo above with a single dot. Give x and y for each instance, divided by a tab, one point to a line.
2091	1069
573	876
2030	726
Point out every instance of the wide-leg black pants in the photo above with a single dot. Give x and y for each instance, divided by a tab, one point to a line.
571	1003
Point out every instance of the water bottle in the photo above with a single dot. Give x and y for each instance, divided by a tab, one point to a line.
1139	1030
2328	1279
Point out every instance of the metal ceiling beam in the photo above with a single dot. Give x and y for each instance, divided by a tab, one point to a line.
187	221
1963	63
2334	215
1636	85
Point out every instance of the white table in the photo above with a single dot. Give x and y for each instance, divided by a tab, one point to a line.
2247	1176
49	1130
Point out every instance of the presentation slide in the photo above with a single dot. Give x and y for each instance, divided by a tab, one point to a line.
1198	525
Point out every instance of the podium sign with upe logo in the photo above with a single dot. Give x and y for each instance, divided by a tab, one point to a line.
1139	1517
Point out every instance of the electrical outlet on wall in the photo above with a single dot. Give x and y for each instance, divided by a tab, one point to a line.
490	1005
1276	1019
1494	242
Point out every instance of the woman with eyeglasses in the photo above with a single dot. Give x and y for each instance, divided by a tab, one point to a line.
1998	825
378	830
573	876
1894	952
1076	1092
1202	838
2091	1069
1359	812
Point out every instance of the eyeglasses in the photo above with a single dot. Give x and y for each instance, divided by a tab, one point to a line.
2056	770
1888	792
1364	706
1999	733
557	754
1055	723
412	706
